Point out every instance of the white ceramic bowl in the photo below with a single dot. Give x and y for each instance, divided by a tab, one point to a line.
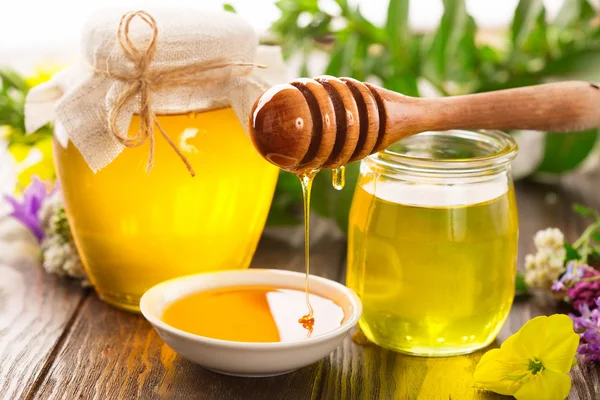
241	358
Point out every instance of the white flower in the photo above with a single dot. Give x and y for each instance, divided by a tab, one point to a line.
59	253
544	267
530	263
551	238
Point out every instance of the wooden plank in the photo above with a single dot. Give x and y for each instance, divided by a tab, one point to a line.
35	309
113	354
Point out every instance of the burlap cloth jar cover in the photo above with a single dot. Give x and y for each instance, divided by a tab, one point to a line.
165	61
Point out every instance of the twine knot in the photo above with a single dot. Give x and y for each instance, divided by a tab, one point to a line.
144	81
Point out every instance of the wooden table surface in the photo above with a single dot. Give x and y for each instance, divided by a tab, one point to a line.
60	341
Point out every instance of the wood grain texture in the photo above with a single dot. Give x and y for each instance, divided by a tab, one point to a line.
36	311
385	117
368	118
324	124
109	354
347	121
552	107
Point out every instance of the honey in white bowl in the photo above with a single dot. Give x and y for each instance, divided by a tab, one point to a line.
253	314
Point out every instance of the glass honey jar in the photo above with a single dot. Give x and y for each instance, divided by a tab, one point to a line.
158	174
135	229
433	242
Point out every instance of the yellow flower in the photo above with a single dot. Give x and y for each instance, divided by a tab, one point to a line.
43	72
534	362
33	161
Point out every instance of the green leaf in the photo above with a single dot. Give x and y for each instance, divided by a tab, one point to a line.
359	69
582	65
12	79
229	7
404	83
520	285
286	207
397	29
594	258
529	36
526	21
566	151
596	237
290	183
453	54
343	56
574	12
583	210
572	254
343	4
363	27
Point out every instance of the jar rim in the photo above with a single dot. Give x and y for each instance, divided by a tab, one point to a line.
493	149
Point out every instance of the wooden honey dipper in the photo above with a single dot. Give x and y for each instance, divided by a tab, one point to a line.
328	122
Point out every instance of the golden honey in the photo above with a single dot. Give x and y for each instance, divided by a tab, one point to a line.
435	276
252	314
432	248
135	229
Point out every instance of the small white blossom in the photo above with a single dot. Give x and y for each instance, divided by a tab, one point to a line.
59	253
530	263
551	239
544	267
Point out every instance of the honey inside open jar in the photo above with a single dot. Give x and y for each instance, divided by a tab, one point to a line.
252	314
433	236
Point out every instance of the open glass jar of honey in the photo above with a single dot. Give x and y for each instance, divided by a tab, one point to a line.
158	175
433	242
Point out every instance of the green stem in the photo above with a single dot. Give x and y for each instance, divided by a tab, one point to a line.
585	252
585	236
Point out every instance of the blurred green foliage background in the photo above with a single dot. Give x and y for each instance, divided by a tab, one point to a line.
456	58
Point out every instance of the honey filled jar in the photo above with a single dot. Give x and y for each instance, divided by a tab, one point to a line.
433	242
158	175
135	229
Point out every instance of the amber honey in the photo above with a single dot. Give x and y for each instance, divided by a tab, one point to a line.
252	314
135	229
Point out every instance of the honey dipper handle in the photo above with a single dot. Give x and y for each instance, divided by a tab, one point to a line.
558	107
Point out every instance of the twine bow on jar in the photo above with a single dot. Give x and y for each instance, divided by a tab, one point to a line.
144	81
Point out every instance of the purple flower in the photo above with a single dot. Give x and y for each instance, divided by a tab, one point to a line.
584	293
558	286
574	272
27	210
577	286
588	327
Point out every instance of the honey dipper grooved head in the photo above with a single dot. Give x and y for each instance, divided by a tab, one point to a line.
315	123
281	125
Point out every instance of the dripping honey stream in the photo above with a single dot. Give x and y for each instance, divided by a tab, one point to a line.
306	180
